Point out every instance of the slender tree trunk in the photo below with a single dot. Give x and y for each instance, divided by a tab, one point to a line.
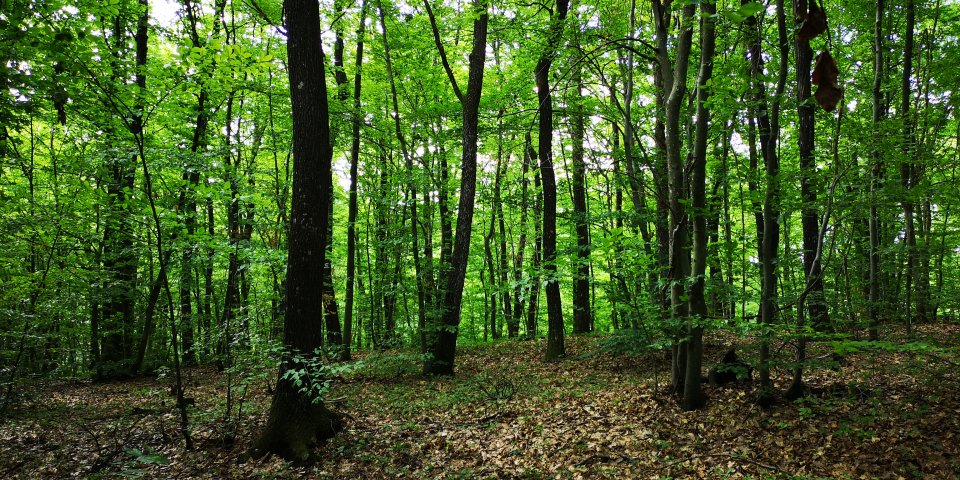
907	168
810	219
582	313
411	180
443	345
675	87
693	397
533	307
503	163
355	120
188	200
519	292
490	290
768	120
876	174
555	346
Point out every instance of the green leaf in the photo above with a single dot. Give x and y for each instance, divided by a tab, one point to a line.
750	9
153	459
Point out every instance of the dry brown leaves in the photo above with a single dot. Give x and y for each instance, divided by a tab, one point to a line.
509	415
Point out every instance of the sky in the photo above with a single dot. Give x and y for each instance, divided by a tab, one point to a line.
164	12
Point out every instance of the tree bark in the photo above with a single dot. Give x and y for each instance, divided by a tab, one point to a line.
810	218
443	345
355	120
518	289
555	347
582	313
876	174
768	120
907	168
675	87
296	422
693	396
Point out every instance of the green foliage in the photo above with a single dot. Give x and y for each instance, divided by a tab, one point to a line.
148	458
385	364
628	342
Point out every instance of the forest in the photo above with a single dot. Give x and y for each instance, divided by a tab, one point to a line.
479	239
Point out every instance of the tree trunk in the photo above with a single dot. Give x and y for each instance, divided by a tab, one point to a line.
555	346
411	180
907	168
296	422
188	200
533	308
876	174
768	120
582	313
693	397
810	218
119	255
519	290
675	87
504	290
443	345
355	120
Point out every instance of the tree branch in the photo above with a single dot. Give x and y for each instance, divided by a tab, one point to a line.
443	53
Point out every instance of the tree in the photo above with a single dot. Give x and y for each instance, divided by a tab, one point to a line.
582	312
442	347
693	397
298	418
768	119
806	139
355	121
907	168
674	84
555	346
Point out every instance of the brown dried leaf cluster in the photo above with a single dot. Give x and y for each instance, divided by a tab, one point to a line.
814	22
825	75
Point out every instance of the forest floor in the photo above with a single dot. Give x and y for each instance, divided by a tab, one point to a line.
597	414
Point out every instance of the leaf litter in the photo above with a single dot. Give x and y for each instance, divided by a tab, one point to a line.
507	414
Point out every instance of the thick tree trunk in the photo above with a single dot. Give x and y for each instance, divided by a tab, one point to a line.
296	421
119	255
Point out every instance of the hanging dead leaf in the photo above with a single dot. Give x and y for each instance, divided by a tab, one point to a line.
828	96
825	75
814	22
825	70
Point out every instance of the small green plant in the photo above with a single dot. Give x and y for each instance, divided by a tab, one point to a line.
148	458
389	364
